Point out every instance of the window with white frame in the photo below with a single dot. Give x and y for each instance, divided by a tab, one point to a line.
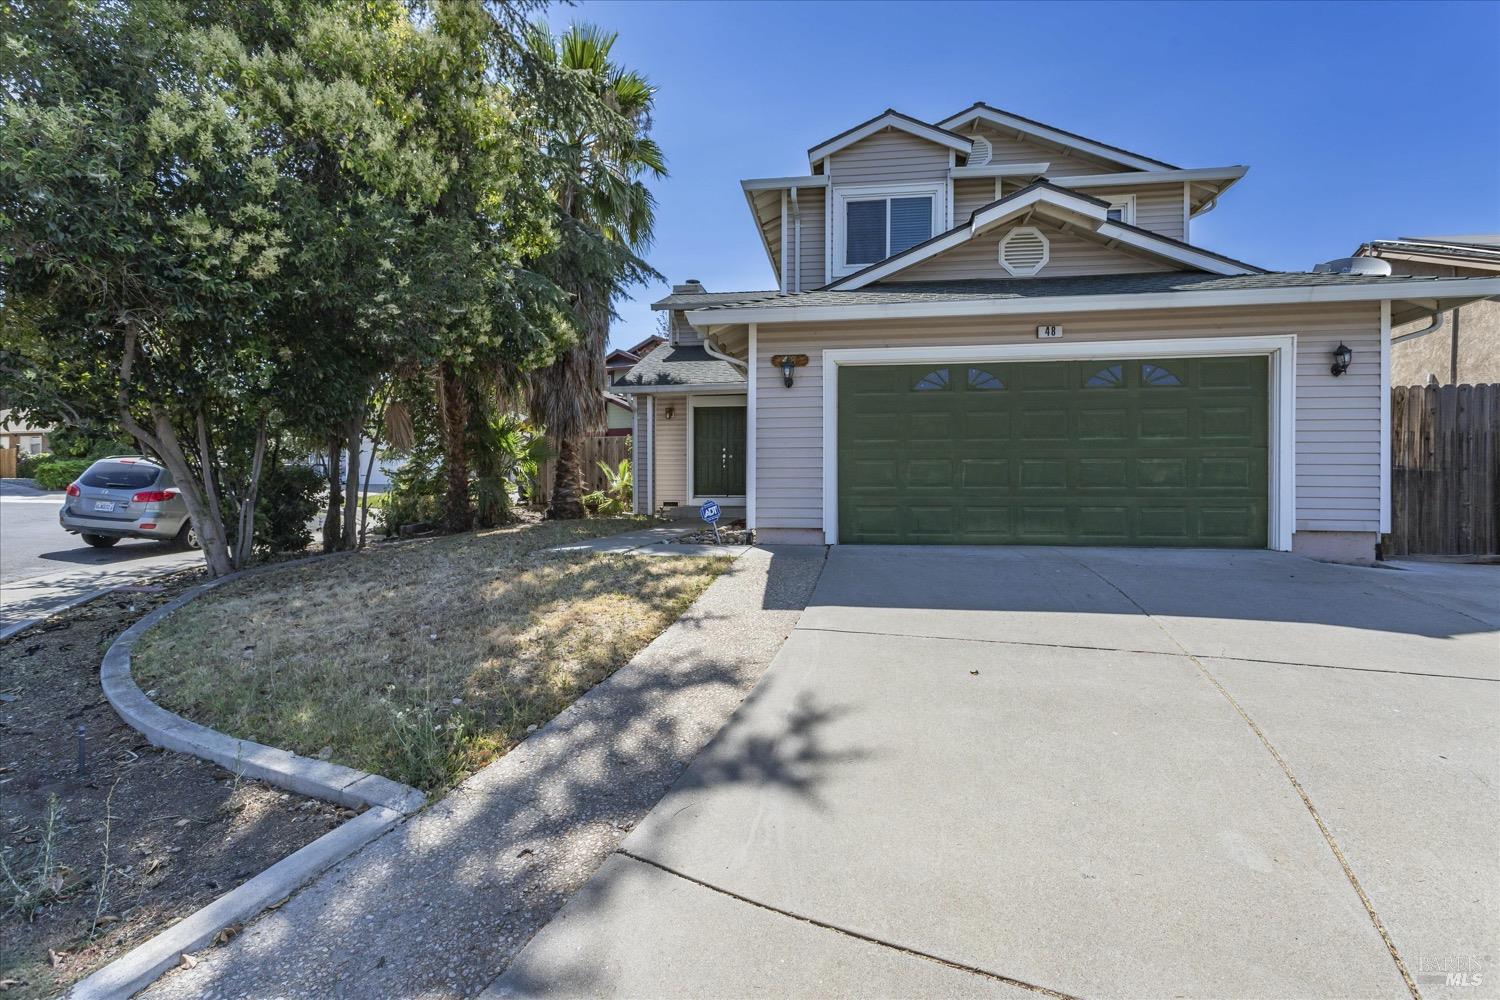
872	224
1121	208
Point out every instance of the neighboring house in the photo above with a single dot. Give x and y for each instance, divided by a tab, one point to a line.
988	330
17	432
1464	347
619	410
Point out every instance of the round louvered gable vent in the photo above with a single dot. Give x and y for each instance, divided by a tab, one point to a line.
979	156
1024	251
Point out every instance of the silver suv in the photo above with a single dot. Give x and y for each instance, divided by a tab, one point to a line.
126	497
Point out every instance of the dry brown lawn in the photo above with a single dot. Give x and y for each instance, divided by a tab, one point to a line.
421	660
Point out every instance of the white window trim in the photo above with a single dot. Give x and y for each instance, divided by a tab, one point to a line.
1281	349
1125	202
693	403
843	195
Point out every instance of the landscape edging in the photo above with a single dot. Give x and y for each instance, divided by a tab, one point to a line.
317	778
389	803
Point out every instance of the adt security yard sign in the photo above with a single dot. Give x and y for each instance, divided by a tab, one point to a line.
710	513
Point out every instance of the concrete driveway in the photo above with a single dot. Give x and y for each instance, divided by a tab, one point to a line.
1084	773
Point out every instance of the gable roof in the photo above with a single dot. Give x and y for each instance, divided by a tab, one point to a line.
890	118
683	364
1088	213
1050	133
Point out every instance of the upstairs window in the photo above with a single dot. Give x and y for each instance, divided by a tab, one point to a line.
879	227
874	224
1121	208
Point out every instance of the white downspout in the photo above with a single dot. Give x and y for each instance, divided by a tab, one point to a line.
1437	321
714	352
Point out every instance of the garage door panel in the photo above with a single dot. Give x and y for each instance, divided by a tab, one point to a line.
1136	452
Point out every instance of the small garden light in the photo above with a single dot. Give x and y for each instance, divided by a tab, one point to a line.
1341	358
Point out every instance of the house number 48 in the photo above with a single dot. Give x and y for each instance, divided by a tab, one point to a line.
1048	332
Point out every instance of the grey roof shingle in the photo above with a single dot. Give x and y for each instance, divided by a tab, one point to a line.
1082	285
693	300
683	365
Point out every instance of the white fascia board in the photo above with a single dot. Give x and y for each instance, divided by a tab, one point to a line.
1474	289
705	388
997	214
1135	178
940	136
1049	135
1003	170
782	183
1171	251
957	237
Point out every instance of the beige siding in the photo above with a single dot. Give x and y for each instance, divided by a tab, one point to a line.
671	450
640	456
1337	420
1071	254
814	237
1158	207
1009	149
970	193
768	204
890	157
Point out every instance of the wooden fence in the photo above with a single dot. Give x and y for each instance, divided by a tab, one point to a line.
8	458
1445	470
592	450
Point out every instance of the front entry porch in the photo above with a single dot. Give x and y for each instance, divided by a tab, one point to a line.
694	446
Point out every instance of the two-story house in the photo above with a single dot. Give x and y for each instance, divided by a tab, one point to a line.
987	330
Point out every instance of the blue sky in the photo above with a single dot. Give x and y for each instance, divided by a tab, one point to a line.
1358	120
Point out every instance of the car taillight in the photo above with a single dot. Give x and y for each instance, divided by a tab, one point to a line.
152	496
73	490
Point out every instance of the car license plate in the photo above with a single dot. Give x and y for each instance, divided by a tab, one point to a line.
108	505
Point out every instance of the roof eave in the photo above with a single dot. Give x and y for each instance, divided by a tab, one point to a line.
684	388
890	118
1439	291
1047	133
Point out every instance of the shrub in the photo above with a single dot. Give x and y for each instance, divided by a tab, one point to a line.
289	498
615	498
57	473
26	464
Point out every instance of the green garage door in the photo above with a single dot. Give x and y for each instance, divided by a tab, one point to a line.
1165	451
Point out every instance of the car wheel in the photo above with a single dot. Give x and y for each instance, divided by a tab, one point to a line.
187	538
100	541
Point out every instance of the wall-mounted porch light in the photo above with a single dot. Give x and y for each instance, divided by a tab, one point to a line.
788	363
1341	358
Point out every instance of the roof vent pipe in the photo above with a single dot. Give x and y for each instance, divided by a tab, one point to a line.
1370	266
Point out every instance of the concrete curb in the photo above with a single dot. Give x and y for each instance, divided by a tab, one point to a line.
143	964
317	778
388	802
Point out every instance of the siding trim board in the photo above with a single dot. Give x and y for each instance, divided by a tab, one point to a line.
1281	350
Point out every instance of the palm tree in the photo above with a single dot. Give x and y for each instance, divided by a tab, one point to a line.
605	219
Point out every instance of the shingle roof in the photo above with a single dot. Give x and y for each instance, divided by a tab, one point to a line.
680	365
1479	248
694	300
1083	285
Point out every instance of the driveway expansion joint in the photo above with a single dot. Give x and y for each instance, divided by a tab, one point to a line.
857	935
1286	769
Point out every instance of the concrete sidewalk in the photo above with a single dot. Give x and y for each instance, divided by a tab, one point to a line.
1111	773
439	906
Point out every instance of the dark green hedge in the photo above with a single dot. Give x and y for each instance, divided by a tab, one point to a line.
59	472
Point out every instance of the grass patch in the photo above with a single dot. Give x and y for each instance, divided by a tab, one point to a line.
420	661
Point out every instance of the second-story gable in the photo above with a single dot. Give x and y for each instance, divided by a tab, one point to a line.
891	183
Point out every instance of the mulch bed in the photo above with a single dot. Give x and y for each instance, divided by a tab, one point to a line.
730	533
178	832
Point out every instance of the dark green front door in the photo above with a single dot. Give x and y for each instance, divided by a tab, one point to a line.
719	451
1170	451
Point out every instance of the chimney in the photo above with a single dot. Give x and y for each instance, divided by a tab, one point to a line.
690	287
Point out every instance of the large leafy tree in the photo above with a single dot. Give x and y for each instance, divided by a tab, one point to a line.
605	216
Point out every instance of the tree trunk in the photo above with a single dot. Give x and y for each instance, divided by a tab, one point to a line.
354	432
453	400
567	483
333	532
